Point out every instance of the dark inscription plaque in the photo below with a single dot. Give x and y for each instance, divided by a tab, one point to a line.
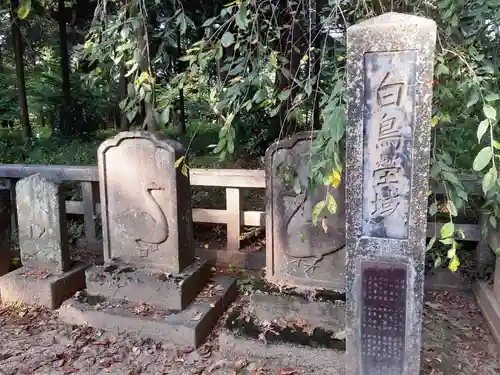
383	318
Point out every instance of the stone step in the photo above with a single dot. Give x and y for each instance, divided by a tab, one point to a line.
329	315
163	291
187	328
288	331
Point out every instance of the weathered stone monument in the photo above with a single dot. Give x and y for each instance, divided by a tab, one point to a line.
47	276
5	231
151	283
296	317
300	253
390	67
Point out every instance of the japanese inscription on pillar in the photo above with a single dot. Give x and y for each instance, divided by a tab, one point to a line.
389	102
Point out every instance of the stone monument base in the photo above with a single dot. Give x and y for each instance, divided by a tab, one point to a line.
490	307
189	327
161	290
288	329
34	286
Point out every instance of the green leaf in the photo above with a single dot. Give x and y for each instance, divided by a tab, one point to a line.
209	22
454	263
493	221
491	97
489	179
451	253
179	161
260	96
317	211
433	209
431	243
24	9
241	17
184	170
474	98
331	204
451	208
447	241
447	230
284	95
496	144
182	24
482	128
482	159
489	112
227	39
442	69
437	262
308	88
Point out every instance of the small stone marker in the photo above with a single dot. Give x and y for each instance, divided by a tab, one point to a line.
390	66
299	252
151	282
146	202
47	276
43	234
5	230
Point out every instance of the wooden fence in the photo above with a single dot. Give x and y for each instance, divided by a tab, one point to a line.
232	179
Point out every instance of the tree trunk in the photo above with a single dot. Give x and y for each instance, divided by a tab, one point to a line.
18	55
317	66
292	47
122	94
63	45
149	123
180	67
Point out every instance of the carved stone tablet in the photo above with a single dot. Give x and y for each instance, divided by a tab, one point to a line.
41	216
389	67
299	252
383	317
146	205
390	95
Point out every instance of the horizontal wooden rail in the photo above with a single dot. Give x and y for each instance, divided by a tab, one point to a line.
233	180
238	178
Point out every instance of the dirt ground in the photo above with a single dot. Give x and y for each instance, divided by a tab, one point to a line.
34	341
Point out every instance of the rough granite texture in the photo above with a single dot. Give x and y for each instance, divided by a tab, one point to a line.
145	202
318	361
148	286
5	230
298	252
187	328
35	287
41	216
390	32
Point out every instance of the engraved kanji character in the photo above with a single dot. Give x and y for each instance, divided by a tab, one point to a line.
386	176
386	203
389	92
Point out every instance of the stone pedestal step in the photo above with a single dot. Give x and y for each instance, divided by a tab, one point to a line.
161	290
287	330
34	286
187	328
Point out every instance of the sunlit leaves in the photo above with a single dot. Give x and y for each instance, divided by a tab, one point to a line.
24	9
227	39
489	179
489	112
483	158
482	128
316	212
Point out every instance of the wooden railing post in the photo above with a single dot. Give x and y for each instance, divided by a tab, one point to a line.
234	218
89	195
13	211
